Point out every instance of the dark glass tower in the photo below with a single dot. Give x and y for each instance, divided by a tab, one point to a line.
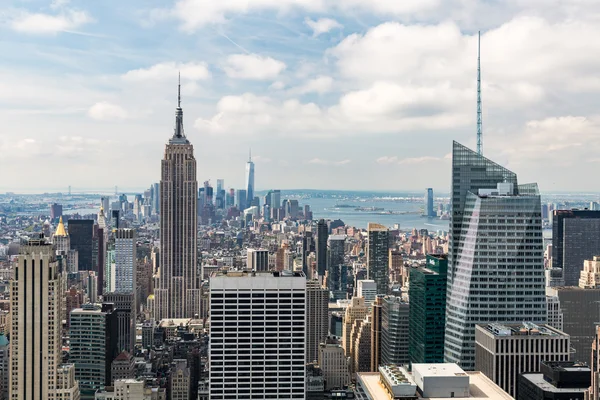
322	236
81	237
427	315
378	256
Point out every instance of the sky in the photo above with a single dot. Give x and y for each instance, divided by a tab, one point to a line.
328	94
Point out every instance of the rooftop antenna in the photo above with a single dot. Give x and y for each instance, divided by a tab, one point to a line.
250	155
179	92
479	119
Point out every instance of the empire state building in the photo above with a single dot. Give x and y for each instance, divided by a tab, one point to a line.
178	292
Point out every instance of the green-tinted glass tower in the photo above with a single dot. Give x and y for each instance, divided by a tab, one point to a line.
427	315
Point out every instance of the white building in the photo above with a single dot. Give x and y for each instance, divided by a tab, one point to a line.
130	389
257	346
367	288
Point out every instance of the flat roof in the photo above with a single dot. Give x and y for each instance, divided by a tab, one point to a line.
480	387
538	380
442	369
524	329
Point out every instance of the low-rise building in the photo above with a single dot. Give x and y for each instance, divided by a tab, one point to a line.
556	380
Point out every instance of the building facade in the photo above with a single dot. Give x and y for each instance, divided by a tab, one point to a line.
427	315
503	352
81	238
258	352
496	264
357	310
377	256
35	306
334	364
178	291
321	246
394	331
125	261
317	318
258	260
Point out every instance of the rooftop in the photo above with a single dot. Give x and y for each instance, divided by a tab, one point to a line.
523	329
444	369
538	380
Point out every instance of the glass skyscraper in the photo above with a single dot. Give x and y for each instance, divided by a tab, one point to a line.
249	181
496	265
378	256
429	203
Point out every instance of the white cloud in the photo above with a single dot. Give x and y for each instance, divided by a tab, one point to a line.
105	111
320	84
387	160
56	4
277	85
39	23
192	71
253	66
319	161
322	25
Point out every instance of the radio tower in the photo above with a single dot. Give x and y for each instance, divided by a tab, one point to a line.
479	121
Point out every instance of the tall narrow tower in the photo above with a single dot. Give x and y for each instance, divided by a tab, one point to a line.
479	117
178	292
35	336
249	180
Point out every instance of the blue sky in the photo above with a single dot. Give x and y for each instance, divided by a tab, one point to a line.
339	94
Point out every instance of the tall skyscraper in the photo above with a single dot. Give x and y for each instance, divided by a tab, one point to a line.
357	310
321	248
377	256
575	238
125	261
336	247
376	320
178	292
427	294
258	351
249	181
317	318
81	236
35	335
240	200
429	203
496	264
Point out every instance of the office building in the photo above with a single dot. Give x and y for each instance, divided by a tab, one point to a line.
503	352
317	318
361	351
315	383
321	246
394	331
122	367
67	388
179	380
556	380
257	260
429	203
249	181
240	201
496	264
367	289
35	345
377	256
81	237
178	291
555	314
125	261
575	238
93	347
307	247
257	352
357	310
427	315
131	389
589	277
396	266
125	308
336	270
334	364
595	367
376	318
61	239
56	211
580	310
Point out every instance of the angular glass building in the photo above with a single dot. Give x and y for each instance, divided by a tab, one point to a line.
496	265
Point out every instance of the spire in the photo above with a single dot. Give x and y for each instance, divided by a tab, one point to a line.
60	229
101	218
178	134
479	117
250	155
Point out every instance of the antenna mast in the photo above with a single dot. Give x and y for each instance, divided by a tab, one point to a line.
479	119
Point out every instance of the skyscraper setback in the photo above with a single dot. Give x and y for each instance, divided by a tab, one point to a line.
496	264
178	292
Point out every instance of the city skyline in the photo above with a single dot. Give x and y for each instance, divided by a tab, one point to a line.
298	83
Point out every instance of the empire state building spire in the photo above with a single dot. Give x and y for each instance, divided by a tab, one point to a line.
179	134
